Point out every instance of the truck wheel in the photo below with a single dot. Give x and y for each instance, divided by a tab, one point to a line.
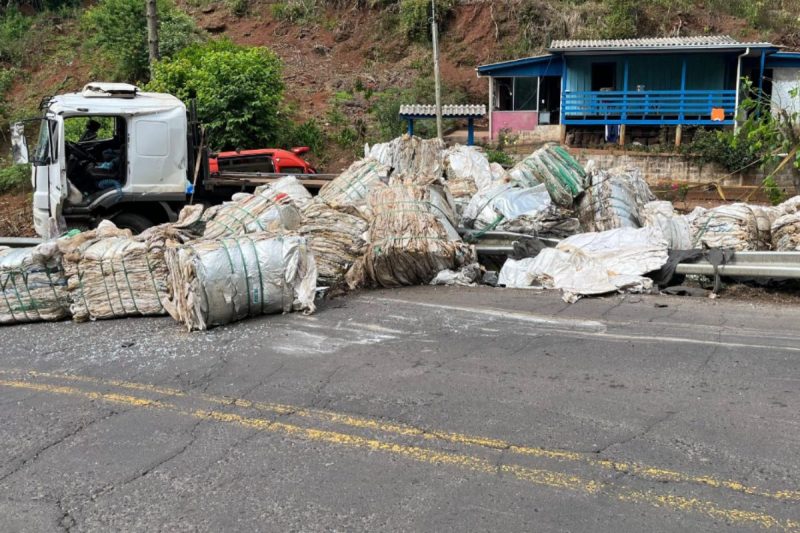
132	221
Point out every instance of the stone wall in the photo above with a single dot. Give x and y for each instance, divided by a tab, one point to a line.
659	168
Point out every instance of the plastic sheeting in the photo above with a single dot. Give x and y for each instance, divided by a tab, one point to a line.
409	155
32	284
413	236
336	238
351	187
552	165
675	227
466	276
737	226
592	263
614	199
222	281
786	233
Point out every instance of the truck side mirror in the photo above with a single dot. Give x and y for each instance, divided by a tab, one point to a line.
19	144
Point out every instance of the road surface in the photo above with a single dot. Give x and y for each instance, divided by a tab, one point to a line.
425	409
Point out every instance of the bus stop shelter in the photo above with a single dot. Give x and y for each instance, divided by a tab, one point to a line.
413	112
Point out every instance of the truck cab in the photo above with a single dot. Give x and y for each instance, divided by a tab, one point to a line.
112	152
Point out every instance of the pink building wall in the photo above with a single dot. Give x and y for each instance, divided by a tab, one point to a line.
514	121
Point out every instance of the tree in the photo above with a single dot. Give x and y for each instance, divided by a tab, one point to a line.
239	91
119	29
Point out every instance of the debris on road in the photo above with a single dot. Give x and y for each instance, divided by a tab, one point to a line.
736	226
32	284
216	282
592	263
614	199
351	187
676	228
409	155
786	233
552	165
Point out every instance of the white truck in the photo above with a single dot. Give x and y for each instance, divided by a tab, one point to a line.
114	152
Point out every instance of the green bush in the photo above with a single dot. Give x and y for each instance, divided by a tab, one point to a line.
724	148
308	133
238	7
415	17
499	156
622	19
239	91
295	11
7	76
14	177
119	29
14	29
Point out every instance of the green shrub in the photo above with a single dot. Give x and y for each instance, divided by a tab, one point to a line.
295	11
499	156
14	177
239	91
308	133
14	30
415	17
622	19
238	7
724	148
7	76
118	28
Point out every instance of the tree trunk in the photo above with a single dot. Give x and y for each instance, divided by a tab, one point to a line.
152	31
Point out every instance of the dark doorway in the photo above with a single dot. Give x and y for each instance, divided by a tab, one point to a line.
604	76
549	100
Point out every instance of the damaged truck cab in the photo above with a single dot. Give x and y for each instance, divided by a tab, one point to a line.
108	152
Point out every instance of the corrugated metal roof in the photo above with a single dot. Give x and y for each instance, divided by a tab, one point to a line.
474	110
703	41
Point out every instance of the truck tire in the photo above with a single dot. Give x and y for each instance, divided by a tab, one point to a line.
132	221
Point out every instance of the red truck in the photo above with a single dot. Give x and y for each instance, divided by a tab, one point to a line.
264	160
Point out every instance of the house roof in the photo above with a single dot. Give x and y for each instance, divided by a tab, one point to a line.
544	65
425	110
703	42
783	60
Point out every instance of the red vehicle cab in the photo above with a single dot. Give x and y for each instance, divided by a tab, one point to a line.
266	160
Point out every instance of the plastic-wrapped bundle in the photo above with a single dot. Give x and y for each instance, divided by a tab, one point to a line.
288	185
351	187
592	263
32	284
614	199
675	227
412	237
410	155
468	163
738	226
552	165
521	210
786	233
222	281
250	213
112	274
336	238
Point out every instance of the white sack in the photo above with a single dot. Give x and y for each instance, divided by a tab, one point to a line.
675	227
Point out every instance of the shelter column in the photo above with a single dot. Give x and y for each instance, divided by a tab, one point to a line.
491	106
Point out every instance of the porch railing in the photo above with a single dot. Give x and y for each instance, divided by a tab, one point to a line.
649	107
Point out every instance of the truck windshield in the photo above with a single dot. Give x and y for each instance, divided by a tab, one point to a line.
43	151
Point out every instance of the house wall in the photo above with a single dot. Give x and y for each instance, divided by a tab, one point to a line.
516	121
784	80
657	72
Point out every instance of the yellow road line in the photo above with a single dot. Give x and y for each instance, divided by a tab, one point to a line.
542	477
631	468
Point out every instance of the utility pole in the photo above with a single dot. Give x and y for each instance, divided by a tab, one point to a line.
435	36
152	32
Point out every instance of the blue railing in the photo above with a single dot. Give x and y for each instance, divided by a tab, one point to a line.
649	107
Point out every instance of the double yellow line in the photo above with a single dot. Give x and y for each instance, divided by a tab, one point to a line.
543	477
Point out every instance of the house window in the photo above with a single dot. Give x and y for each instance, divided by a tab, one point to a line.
515	94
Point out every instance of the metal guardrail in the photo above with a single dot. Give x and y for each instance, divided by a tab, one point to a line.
19	242
749	265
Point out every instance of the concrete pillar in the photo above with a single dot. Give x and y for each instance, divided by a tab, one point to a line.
678	135
622	135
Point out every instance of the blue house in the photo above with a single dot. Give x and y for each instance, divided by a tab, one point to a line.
612	85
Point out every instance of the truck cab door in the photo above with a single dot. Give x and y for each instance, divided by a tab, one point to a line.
49	179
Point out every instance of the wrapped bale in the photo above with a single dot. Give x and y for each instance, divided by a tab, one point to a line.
351	187
738	226
614	199
336	238
675	227
786	233
288	185
552	165
468	164
222	281
32	284
410	155
412	237
112	274
521	210
250	213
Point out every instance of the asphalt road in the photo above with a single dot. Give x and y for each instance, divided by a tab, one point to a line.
415	410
